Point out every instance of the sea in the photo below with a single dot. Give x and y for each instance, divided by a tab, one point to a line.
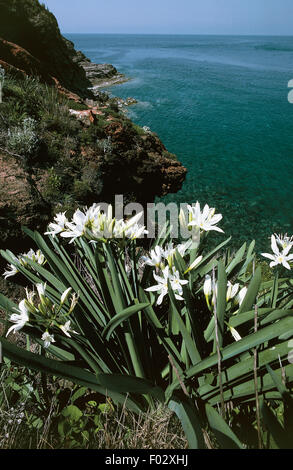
221	104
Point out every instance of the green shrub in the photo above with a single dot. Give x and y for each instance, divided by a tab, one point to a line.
23	140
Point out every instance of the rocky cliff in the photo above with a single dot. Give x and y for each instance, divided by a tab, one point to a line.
30	25
61	146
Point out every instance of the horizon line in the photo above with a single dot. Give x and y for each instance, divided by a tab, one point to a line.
179	34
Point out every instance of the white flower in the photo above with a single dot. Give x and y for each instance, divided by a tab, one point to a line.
37	257
67	329
20	319
158	254
279	257
77	227
58	225
11	271
170	250
231	290
96	225
204	220
235	333
183	222
155	258
208	290
135	231
183	247
207	287
48	339
41	288
177	283
284	241
169	253
241	295
194	264
74	300
65	295
133	220
162	286
130	229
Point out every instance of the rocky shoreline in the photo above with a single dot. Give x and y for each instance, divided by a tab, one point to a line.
118	79
104	76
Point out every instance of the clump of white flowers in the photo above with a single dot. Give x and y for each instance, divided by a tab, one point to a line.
44	313
96	225
168	277
234	292
166	274
162	258
22	260
281	246
203	221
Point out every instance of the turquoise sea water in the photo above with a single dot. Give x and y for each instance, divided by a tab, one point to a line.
220	103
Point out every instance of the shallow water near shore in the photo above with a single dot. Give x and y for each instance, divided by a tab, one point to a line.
220	103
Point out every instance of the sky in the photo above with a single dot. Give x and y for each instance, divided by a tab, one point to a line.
266	17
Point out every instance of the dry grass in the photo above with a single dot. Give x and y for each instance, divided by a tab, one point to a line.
157	429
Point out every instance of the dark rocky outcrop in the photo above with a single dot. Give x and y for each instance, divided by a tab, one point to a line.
97	72
20	59
30	25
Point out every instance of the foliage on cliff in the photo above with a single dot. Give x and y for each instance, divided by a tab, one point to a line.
52	160
30	25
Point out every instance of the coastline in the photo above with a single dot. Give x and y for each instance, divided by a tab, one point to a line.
105	83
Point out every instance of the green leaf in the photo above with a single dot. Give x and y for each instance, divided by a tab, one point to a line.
272	424
80	392
121	317
202	269
221	302
235	349
78	375
189	418
7	304
252	292
72	412
224	434
236	259
189	343
161	332
243	371
129	384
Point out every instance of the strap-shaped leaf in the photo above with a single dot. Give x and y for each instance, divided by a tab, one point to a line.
242	371
130	384
235	349
224	434
252	292
64	370
7	304
190	420
121	317
272	424
221	302
245	390
236	259
189	342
